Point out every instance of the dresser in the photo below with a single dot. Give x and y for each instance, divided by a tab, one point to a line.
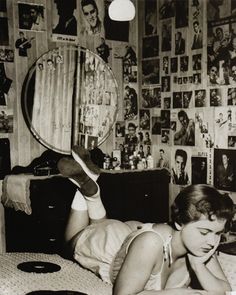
42	230
127	195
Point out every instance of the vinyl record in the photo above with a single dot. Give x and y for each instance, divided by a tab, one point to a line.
48	292
38	267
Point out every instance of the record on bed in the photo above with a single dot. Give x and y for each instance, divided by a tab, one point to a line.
38	267
49	292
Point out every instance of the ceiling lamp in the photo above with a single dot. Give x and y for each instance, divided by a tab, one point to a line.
121	10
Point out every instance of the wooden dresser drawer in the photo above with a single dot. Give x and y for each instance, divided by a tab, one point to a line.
43	230
51	198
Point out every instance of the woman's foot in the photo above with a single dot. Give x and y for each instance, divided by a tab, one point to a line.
82	157
70	168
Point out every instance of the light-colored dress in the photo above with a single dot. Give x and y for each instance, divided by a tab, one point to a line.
102	248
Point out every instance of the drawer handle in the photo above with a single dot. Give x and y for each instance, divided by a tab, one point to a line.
52	239
51	206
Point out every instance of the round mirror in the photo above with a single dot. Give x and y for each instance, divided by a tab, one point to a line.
69	97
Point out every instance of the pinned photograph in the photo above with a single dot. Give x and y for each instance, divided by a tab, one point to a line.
92	142
223	121
177	100
130	102
145	119
174	64
181	13
197	37
6	121
6	55
150	46
150	71
204	127
179	43
184	61
197	62
165	118
165	84
3	6
185	134
180	170
156	125
4	35
64	27
225	169
9	55
150	11
187	99
120	129
215	97
163	159
23	44
166	36
151	97
5	85
31	17
91	18
200	98
167	9
130	69
231	96
167	102
165	136
199	170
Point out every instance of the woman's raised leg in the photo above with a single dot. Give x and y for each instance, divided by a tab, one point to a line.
87	206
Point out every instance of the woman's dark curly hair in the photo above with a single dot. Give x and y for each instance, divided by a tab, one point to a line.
195	200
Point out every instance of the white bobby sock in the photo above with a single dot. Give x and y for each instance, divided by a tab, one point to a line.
95	206
79	203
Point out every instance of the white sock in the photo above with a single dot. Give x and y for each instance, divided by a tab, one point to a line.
95	206
79	203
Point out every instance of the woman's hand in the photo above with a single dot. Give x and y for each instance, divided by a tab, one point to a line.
195	260
200	260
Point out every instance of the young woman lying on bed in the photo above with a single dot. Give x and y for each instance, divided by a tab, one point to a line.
147	258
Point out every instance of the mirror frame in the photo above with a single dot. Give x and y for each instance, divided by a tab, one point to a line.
28	92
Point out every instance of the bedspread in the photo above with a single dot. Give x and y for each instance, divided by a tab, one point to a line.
70	277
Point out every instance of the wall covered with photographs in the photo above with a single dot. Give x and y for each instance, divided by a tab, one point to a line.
187	99
175	65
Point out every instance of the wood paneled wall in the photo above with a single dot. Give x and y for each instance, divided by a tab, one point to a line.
24	147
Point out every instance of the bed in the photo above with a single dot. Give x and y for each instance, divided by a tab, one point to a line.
68	276
134	198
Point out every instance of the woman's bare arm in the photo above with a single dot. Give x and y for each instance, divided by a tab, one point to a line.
209	271
145	252
210	274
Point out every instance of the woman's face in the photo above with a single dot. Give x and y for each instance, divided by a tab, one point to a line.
199	237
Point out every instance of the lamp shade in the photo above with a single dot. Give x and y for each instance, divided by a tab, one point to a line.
121	10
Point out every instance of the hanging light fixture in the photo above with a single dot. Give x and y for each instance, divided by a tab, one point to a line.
121	10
